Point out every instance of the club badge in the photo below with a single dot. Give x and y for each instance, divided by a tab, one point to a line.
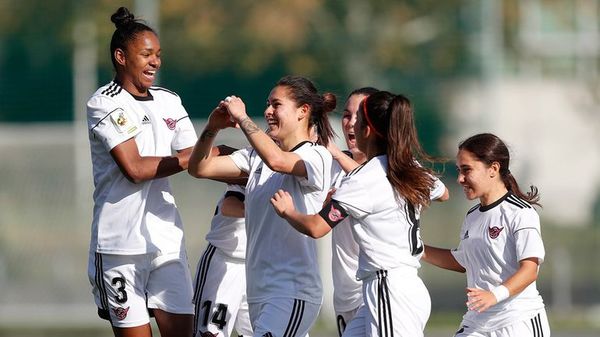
122	122
335	215
121	313
171	123
495	231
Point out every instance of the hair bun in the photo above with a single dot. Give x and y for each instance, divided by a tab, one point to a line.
122	17
329	102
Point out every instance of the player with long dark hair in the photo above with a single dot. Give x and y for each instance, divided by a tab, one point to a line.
382	199
500	246
347	290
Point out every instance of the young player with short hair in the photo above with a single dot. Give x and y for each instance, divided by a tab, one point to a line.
137	259
382	199
500	246
283	283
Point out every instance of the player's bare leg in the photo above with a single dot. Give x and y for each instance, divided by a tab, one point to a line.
138	331
174	325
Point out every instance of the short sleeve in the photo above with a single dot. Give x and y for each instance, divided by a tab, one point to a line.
236	191
111	123
351	196
459	253
241	158
337	173
318	168
236	188
185	134
438	189
528	238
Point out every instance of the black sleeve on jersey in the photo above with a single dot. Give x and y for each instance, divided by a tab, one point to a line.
238	195
333	213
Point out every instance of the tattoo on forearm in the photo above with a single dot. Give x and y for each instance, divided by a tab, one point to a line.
206	134
248	126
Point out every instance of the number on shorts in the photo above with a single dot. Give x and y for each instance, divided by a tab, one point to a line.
122	294
219	318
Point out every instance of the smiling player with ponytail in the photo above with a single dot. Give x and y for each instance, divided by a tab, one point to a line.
501	245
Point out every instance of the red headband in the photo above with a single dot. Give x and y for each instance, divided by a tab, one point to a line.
369	120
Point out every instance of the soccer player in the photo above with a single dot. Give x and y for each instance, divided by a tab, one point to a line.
283	283
220	283
500	246
347	290
382	199
137	260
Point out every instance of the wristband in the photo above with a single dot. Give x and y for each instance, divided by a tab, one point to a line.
501	293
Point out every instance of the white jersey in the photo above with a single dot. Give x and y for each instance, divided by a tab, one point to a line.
347	290
494	239
135	218
229	233
280	261
386	228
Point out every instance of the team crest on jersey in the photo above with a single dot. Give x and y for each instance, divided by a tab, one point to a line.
122	122
171	123
208	334
335	215
121	313
495	231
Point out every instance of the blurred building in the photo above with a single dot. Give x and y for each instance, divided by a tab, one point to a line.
538	89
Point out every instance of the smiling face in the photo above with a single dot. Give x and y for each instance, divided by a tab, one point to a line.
477	179
283	116
139	63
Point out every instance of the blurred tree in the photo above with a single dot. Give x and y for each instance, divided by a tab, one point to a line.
34	60
215	48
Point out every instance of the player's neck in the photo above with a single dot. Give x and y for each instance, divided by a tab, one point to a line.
493	195
359	157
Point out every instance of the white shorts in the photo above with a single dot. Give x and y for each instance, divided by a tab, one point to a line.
397	304
220	295
534	327
344	318
283	317
126	286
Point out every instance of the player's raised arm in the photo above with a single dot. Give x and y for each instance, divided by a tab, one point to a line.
203	162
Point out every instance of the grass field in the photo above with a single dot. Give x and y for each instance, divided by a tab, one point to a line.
439	325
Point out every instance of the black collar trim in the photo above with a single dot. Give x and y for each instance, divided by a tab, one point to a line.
143	98
299	145
495	203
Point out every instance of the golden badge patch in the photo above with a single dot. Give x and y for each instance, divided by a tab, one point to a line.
122	121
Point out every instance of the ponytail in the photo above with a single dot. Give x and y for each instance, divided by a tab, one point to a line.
392	116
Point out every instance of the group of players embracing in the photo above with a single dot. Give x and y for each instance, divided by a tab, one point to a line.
259	274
